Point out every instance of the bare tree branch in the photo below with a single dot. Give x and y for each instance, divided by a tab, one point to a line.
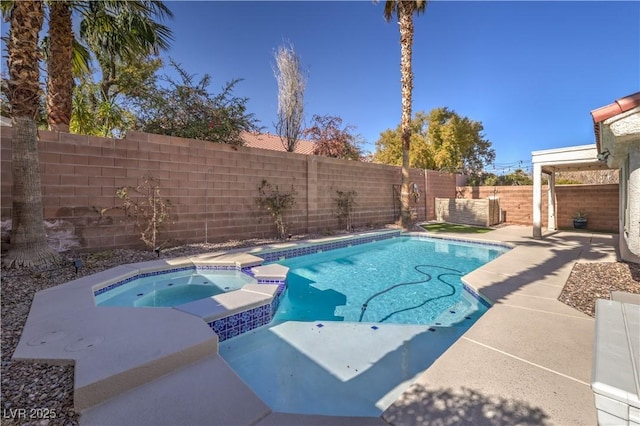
291	86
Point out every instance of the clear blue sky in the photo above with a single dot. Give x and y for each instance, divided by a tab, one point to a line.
529	71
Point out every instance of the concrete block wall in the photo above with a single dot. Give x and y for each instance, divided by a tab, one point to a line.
439	185
213	187
516	202
373	184
601	202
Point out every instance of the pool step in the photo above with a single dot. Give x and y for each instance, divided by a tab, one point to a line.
207	392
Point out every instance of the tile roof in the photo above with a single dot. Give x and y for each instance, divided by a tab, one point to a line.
618	107
273	143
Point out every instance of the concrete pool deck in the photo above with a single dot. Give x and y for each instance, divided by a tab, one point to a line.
527	360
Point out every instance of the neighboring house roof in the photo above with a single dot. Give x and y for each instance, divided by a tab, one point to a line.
618	107
273	143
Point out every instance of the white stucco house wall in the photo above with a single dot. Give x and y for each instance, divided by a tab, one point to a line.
617	130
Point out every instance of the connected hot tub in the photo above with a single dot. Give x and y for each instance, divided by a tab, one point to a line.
173	287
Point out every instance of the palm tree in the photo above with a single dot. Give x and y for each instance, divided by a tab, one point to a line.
405	9
59	72
113	30
28	239
123	32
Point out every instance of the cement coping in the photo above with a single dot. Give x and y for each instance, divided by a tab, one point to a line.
116	349
518	292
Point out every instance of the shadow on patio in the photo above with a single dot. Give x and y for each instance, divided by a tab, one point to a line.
444	407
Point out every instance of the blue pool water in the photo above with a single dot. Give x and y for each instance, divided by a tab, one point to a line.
402	281
174	288
323	354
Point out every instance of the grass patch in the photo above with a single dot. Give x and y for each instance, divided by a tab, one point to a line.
455	228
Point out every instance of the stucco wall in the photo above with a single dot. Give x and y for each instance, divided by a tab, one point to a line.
478	212
213	188
632	234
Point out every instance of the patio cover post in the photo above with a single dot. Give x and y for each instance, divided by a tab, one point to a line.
537	200
552	226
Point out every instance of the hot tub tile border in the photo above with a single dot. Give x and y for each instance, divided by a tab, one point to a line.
242	322
169	271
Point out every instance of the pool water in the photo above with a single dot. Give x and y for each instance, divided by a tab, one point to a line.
401	281
174	288
324	354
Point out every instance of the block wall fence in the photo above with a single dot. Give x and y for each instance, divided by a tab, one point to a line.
213	188
599	201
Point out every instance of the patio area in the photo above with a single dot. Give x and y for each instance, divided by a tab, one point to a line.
526	361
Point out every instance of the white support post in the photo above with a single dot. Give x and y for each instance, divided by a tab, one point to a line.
552	225
537	200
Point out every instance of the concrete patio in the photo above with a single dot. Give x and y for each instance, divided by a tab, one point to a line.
526	361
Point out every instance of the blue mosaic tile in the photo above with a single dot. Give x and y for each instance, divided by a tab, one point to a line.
301	251
462	240
320	325
374	327
217	326
475	294
168	271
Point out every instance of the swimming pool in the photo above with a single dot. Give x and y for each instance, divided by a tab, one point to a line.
403	280
173	287
356	325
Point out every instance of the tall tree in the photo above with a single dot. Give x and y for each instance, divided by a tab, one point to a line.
28	239
115	31
59	69
331	140
123	32
93	114
185	108
291	85
440	140
405	9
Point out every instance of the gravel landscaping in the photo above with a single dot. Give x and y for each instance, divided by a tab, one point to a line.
31	386
591	281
